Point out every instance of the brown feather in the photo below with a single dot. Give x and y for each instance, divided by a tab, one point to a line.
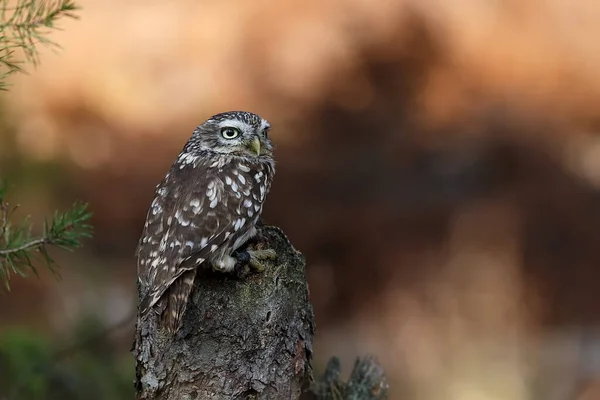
205	206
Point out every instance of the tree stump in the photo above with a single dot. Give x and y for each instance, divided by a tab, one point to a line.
246	338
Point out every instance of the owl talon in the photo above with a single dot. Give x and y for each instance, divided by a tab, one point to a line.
243	261
242	257
253	258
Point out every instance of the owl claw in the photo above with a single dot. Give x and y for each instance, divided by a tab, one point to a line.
253	258
242	257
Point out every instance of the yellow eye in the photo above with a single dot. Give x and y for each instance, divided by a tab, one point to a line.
230	133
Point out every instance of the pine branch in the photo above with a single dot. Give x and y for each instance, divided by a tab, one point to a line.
367	382
20	251
23	27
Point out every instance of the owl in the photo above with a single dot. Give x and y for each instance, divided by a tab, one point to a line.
204	210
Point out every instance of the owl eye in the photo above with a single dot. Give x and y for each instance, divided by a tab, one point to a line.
230	133
266	132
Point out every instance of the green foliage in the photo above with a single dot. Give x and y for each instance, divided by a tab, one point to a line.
32	368
30	365
20	251
367	381
24	24
19	348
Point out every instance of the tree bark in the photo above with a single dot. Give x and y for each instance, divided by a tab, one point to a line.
248	338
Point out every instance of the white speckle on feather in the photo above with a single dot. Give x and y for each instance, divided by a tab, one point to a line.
239	223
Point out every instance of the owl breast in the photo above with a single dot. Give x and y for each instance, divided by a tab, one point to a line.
238	194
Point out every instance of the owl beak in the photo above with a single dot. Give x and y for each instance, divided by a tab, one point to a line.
254	145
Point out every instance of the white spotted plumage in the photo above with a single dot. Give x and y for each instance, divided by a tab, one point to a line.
205	208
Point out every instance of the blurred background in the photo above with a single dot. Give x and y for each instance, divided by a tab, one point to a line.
438	165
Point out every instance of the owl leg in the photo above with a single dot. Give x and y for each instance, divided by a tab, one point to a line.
224	264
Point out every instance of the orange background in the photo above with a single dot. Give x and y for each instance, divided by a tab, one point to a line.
438	164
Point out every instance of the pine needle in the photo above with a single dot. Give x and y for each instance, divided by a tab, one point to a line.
20	251
24	25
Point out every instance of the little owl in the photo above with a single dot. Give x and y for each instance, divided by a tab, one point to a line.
205	209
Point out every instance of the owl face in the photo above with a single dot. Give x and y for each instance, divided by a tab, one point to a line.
238	133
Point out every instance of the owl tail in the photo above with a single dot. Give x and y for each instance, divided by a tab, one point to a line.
177	300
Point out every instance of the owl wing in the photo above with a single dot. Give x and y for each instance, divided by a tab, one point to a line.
188	220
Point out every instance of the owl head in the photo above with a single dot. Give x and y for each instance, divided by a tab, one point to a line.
238	133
